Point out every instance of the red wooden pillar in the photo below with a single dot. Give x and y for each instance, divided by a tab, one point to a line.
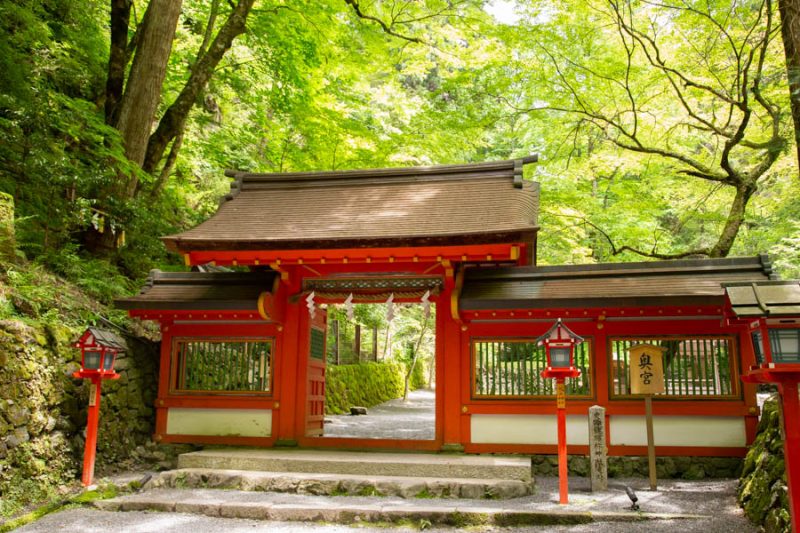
289	417
748	359
450	385
90	447
163	381
790	407
563	471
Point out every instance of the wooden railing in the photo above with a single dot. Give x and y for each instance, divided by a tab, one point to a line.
513	368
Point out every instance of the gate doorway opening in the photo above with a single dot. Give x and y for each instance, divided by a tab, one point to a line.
385	361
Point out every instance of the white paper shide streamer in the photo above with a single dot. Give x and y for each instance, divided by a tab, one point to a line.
426	303
348	304
310	304
390	308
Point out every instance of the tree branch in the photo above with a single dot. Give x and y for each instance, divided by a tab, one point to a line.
617	250
387	28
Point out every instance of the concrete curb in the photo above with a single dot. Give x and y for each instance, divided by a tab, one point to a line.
376	513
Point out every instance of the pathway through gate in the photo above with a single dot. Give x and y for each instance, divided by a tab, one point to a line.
395	419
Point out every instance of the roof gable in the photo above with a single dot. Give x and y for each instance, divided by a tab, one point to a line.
418	206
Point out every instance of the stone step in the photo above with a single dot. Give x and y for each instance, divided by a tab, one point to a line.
457	513
362	463
322	484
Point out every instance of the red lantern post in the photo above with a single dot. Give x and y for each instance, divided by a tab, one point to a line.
99	350
776	344
559	343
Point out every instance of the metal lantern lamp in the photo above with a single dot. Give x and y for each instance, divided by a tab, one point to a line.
559	344
99	349
776	342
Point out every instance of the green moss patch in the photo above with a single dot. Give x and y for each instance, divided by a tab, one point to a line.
363	384
763	493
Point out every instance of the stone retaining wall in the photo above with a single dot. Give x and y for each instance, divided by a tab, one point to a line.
666	467
43	410
762	488
362	384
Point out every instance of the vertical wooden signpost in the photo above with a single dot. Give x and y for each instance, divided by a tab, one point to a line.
647	378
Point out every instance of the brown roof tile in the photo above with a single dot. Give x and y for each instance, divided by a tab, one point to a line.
472	203
200	290
686	282
765	298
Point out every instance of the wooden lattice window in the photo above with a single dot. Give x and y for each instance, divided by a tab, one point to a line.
317	348
693	366
512	368
215	366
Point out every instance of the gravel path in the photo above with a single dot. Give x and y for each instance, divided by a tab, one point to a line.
418	416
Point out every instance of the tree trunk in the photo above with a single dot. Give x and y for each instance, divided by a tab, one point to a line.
790	31
734	221
118	57
410	369
169	165
357	343
143	90
174	120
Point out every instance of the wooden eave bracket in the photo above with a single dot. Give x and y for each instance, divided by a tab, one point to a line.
284	274
271	303
455	295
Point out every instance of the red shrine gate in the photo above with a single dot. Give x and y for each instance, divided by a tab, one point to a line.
243	362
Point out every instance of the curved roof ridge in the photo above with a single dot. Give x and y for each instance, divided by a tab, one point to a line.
509	164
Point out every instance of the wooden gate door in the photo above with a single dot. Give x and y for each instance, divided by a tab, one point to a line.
315	404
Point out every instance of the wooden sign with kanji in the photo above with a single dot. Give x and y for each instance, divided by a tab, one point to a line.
647	369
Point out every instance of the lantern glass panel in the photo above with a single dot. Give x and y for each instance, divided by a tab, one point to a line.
91	359
559	357
785	344
758	348
108	362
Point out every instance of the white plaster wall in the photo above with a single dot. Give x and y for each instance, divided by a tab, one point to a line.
718	431
220	422
527	429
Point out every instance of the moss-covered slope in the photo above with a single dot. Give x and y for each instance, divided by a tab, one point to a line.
42	407
762	489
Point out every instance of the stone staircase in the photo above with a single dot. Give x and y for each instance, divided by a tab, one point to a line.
332	473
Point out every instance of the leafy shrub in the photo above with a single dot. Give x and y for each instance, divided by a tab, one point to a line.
364	384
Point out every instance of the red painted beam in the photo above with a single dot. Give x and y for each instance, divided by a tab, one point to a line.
505	252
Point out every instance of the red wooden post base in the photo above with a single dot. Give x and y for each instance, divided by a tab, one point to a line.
563	479
90	448
787	378
791	446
